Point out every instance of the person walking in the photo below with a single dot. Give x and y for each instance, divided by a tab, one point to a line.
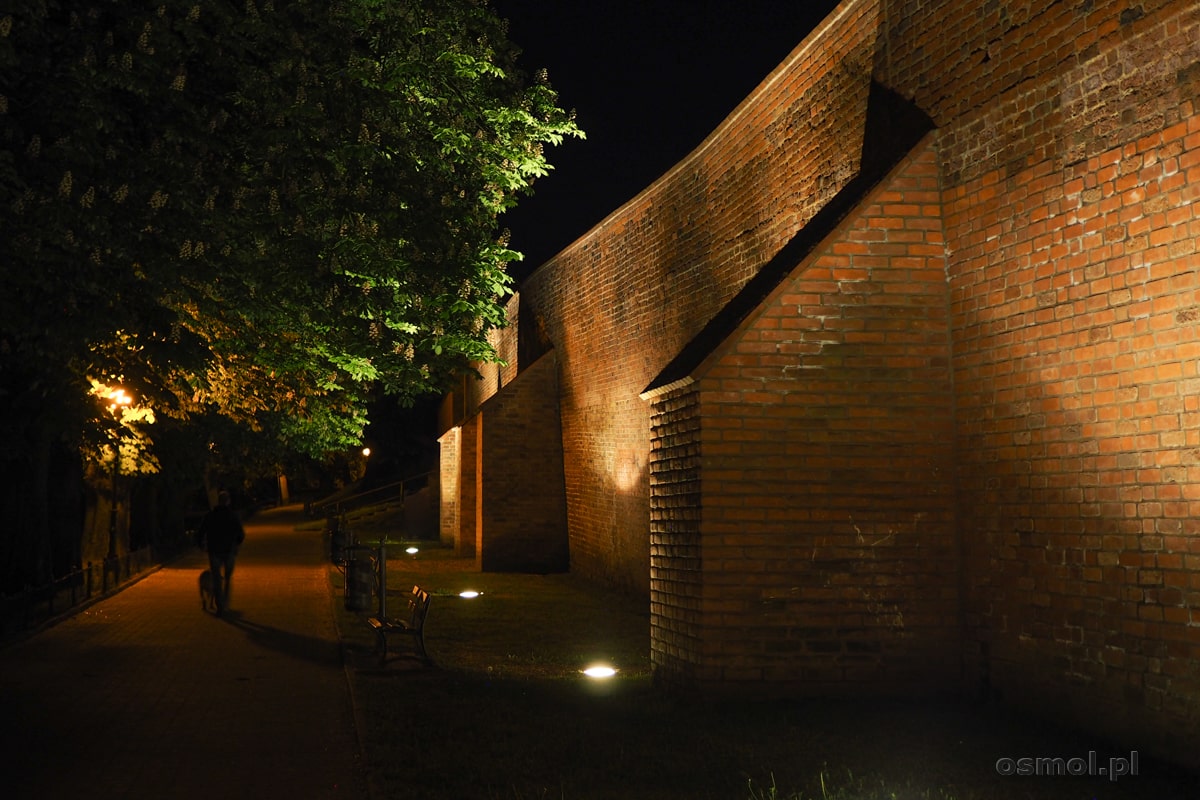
221	534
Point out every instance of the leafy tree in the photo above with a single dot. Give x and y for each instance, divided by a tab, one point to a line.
264	212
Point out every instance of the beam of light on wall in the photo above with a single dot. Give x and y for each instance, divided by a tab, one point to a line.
626	476
626	470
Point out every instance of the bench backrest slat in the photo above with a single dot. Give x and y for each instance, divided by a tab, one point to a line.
418	607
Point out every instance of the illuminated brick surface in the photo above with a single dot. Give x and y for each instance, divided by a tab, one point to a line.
958	444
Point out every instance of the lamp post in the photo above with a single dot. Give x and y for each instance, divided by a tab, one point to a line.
120	399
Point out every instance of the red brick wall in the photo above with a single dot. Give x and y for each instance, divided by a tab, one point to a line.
676	552
621	302
1069	165
523	520
1075	289
507	342
458	444
960	61
458	486
829	549
449	464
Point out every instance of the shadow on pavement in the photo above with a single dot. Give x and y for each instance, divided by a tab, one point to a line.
289	643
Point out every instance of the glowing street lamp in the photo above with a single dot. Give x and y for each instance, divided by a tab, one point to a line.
119	399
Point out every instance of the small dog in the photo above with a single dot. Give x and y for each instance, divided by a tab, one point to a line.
208	595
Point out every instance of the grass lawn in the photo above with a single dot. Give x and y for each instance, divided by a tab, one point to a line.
505	713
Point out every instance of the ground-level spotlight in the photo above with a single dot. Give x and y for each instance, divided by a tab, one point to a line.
600	672
469	594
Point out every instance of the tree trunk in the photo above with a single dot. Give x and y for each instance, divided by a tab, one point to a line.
39	507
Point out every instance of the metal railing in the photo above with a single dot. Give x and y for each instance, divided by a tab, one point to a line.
336	506
33	606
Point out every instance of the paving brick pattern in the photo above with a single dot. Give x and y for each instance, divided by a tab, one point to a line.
145	695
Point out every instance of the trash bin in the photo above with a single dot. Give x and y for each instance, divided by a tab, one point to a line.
358	580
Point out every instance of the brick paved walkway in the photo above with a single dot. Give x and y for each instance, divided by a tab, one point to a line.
144	695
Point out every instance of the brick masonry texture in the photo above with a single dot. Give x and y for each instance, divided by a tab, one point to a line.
1073	280
524	527
675	544
826	452
458	482
449	464
959	443
624	300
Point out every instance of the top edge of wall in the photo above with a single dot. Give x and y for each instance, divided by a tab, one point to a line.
802	50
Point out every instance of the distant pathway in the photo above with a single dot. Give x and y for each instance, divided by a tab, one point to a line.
144	695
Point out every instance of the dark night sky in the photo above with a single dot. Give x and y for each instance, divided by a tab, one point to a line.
649	80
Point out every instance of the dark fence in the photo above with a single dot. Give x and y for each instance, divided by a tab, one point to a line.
33	606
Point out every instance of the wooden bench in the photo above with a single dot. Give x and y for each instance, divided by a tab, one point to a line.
411	624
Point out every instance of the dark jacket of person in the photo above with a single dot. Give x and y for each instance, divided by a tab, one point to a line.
221	530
